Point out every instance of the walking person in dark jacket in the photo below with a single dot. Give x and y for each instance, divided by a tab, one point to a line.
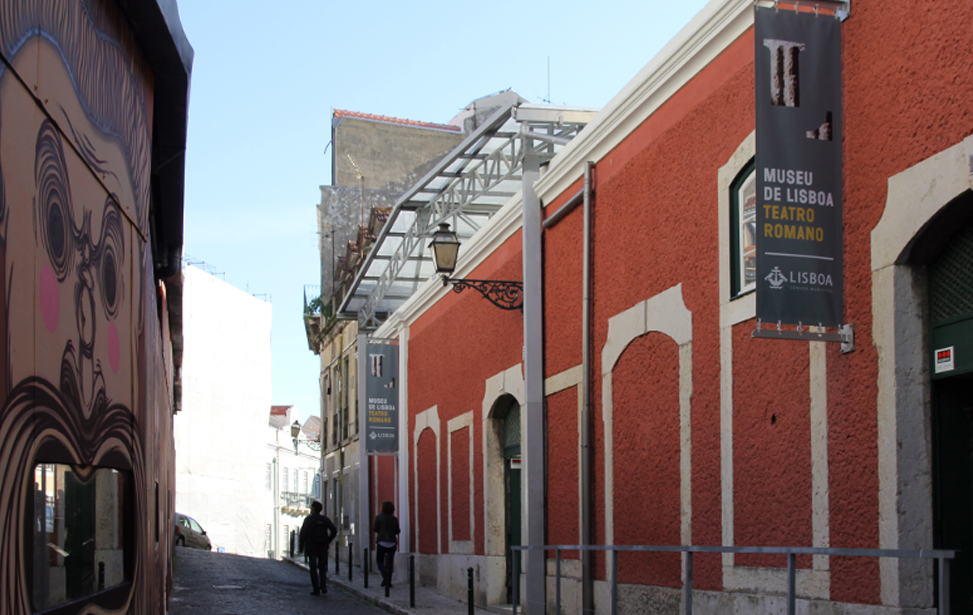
317	532
386	527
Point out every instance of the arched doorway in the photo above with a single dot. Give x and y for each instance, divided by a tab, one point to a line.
950	319
509	414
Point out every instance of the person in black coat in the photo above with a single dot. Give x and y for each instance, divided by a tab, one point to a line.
317	532
386	527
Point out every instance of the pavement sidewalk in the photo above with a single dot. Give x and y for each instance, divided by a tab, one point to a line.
428	600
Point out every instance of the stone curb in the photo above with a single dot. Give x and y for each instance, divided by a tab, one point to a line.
391	607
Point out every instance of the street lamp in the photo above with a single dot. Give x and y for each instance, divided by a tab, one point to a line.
505	294
295	431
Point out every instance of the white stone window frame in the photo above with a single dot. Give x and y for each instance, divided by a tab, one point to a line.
737	248
665	313
905	493
508	382
816	582
464	421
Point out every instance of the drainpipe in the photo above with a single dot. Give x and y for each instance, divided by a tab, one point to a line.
587	576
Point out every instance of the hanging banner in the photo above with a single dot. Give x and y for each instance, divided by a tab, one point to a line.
798	168
381	396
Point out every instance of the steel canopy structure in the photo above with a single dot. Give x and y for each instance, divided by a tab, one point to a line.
465	190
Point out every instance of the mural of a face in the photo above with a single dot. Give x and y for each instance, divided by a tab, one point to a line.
71	267
85	395
68	243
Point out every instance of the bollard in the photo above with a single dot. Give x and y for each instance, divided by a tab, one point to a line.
337	556
469	589
515	579
364	565
412	581
101	575
349	560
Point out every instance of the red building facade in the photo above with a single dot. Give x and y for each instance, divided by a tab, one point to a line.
701	434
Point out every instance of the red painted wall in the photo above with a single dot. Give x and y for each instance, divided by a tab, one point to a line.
662	180
771	446
563	260
562	462
427	496
453	349
383	469
907	87
645	387
655	218
460	471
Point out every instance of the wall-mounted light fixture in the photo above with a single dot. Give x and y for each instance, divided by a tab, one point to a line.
295	431
505	294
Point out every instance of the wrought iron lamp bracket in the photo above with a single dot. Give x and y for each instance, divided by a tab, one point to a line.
505	294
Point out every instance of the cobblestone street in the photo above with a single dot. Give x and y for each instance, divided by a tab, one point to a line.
207	583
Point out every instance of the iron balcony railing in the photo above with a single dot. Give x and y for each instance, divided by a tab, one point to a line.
942	556
296	501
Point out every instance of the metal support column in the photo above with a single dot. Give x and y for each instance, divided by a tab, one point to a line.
533	486
364	475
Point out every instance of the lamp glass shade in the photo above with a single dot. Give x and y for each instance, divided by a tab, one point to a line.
295	429
445	247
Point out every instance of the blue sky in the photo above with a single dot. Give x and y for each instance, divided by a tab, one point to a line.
267	75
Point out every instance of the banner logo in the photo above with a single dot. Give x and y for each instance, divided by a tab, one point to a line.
776	278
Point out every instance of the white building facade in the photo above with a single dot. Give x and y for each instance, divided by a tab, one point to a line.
291	480
220	434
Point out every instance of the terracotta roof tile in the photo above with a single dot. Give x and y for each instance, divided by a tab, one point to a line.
339	113
279	410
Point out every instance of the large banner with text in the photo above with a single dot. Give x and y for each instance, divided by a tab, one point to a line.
798	167
382	396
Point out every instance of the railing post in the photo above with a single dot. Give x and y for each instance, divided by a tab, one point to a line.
557	581
688	589
350	569
614	582
469	590
515	579
364	565
337	557
943	586
791	583
412	582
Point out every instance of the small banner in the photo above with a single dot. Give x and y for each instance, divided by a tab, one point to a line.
798	167
382	397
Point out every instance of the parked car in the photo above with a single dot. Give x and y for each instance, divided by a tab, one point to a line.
190	534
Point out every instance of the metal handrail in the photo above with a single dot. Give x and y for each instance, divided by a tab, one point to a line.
941	555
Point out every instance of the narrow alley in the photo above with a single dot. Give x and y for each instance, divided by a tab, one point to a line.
222	584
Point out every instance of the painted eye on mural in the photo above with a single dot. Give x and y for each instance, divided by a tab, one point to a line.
110	255
53	199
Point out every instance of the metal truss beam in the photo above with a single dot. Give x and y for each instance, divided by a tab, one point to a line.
479	183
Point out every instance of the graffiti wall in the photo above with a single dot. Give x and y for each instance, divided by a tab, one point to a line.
85	378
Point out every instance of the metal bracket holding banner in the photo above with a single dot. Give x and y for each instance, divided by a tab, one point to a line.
840	8
845	335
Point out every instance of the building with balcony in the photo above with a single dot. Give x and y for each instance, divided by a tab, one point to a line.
352	213
292	478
